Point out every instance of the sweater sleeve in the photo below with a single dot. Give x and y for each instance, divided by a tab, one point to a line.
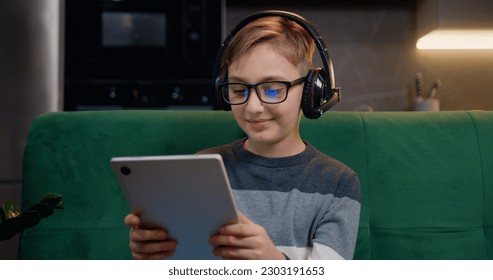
337	230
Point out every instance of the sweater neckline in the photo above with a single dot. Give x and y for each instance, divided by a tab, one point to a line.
242	153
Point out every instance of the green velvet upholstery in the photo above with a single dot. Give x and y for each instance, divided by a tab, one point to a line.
427	178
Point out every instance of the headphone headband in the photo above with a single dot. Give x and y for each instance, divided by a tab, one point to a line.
317	38
331	97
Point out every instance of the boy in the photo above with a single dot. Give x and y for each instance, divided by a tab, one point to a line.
295	202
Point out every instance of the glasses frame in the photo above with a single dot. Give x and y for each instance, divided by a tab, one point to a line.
255	86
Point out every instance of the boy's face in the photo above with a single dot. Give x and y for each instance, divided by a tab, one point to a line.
267	124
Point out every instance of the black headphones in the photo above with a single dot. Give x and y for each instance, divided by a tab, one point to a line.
319	91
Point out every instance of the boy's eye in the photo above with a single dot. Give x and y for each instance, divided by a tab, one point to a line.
271	92
238	90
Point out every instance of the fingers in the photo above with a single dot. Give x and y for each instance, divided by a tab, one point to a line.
244	240
132	221
229	240
143	235
148	243
230	247
151	244
253	248
152	250
241	229
233	253
237	234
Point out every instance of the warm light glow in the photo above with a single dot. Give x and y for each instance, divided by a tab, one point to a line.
481	39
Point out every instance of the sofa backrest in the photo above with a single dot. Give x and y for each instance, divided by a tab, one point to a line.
427	178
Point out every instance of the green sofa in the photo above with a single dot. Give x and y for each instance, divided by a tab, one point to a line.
427	178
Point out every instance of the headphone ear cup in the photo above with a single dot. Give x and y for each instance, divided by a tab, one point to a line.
221	79
313	93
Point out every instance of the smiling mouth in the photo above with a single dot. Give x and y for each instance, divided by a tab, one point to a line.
259	121
259	124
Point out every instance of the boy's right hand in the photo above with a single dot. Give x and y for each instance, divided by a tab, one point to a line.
148	244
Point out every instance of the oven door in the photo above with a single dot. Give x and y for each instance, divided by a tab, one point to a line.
141	39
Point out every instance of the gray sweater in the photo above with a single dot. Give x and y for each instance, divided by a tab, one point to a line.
309	203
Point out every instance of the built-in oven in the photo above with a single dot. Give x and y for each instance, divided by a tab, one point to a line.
140	53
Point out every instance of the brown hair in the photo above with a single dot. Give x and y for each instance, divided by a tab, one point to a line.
292	41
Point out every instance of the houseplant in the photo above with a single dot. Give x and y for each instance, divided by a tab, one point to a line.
13	220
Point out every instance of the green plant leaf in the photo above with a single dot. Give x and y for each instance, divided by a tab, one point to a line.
51	199
59	205
11	209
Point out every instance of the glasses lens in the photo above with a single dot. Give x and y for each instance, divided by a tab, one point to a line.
272	92
235	93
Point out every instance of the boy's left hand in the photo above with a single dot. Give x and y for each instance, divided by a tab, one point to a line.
244	240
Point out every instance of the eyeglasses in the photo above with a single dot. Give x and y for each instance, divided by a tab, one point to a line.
272	92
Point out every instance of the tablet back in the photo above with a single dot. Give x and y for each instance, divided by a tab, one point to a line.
189	195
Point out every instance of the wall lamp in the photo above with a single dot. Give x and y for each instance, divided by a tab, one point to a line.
455	24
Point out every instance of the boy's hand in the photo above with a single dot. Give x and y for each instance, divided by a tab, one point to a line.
147	244
244	240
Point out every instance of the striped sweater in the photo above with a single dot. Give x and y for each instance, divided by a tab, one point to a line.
309	203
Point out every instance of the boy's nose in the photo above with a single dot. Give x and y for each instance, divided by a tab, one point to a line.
253	104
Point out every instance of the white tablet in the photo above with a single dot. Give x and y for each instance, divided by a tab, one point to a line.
189	195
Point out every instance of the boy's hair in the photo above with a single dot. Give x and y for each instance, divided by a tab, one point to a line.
292	41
